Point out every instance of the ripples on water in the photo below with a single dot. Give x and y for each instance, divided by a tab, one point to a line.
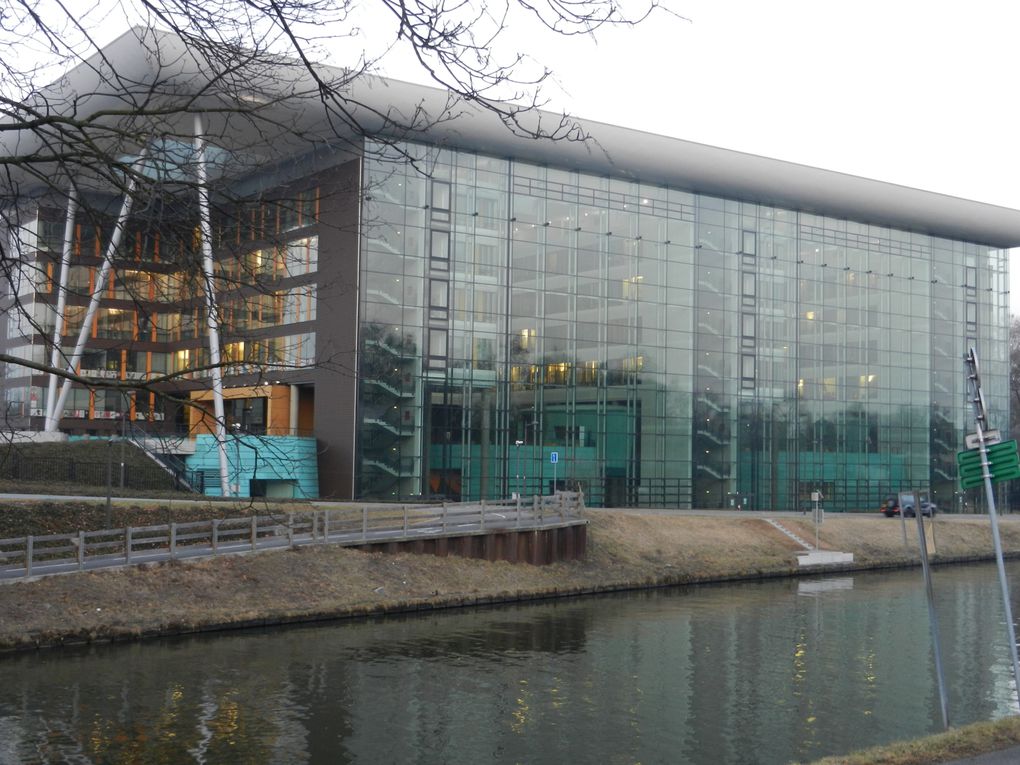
767	672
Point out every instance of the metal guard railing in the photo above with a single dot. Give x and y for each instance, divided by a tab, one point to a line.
87	550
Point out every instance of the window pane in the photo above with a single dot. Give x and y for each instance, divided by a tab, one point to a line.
440	248
748	243
748	285
747	325
747	366
437	342
441	195
439	294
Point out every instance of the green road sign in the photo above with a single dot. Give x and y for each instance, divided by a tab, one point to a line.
1003	464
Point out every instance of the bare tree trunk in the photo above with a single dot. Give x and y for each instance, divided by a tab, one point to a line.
212	313
52	414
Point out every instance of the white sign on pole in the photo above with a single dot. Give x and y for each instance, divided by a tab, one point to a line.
991	437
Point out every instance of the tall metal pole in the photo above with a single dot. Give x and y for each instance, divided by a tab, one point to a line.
109	483
52	416
980	417
124	407
212	312
518	443
816	514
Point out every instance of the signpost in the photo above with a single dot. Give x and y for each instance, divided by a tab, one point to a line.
1000	465
554	457
1000	458
818	514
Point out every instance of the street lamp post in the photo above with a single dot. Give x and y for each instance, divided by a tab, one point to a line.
124	411
109	484
235	487
518	443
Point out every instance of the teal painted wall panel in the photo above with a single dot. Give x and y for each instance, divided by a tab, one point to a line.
267	458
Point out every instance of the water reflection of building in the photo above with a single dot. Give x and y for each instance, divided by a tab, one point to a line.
711	675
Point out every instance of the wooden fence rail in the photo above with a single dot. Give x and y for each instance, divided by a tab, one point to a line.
83	550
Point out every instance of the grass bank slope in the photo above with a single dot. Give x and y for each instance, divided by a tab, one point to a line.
951	746
626	550
84	468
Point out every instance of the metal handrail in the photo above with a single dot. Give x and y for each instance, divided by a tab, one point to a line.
41	555
171	463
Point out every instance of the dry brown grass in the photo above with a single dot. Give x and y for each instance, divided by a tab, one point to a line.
733	545
43	516
953	745
625	550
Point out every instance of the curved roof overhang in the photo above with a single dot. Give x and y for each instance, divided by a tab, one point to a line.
149	84
636	155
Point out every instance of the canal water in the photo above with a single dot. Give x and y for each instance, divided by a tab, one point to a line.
770	672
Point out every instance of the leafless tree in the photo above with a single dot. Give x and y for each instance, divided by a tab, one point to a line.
192	98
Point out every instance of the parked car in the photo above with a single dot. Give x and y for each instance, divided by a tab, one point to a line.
891	507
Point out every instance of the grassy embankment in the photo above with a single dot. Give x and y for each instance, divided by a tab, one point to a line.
956	744
625	551
83	468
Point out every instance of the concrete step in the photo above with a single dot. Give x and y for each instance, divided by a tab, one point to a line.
790	534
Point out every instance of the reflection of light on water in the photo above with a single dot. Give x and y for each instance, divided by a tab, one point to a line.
869	674
815	587
1003	683
869	678
520	714
227	722
799	661
557	700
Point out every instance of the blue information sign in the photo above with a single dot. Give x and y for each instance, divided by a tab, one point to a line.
554	457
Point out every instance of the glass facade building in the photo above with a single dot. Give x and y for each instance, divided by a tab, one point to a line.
670	348
480	314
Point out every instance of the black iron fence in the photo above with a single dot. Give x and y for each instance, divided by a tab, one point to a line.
17	467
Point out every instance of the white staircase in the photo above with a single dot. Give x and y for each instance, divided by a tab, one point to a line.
812	556
799	540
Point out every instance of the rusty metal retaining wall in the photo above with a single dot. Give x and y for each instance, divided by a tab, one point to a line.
535	546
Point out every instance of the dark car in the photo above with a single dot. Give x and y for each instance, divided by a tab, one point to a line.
891	507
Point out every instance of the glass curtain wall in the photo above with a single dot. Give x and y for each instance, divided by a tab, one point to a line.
671	349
